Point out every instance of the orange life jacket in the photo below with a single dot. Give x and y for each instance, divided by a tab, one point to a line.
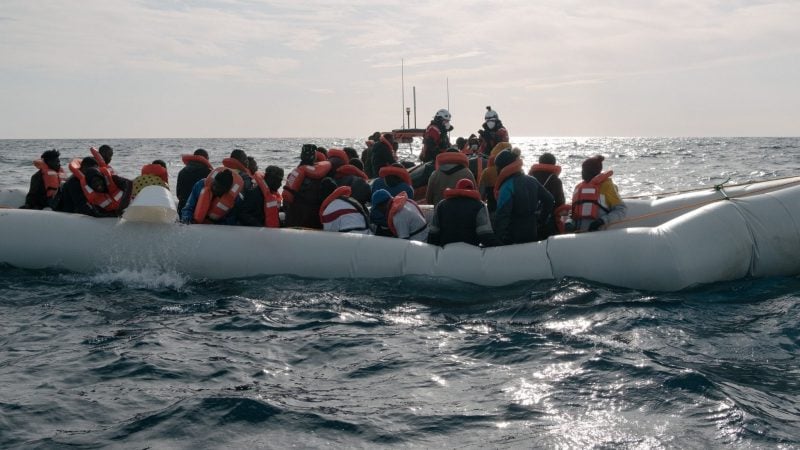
349	169
400	172
107	201
52	179
469	193
210	208
107	170
197	158
157	170
586	198
295	179
507	171
272	203
235	164
338	153
549	168
398	202
451	158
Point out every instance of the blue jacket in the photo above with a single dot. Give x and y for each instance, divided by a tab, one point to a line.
380	183
522	205
191	203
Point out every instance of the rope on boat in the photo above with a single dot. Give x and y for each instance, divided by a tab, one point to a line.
666	194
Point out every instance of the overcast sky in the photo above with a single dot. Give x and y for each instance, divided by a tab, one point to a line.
248	68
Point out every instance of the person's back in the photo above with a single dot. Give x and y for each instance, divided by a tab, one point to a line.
215	199
340	212
383	152
153	174
451	167
302	195
394	179
546	172
488	178
197	168
520	199
46	182
461	217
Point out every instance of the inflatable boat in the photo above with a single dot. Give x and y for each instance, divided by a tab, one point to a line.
664	244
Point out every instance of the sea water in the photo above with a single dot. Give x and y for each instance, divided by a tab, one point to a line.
150	359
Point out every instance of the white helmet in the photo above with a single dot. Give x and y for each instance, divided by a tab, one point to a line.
490	114
442	114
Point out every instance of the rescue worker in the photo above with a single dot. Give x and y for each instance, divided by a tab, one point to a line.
339	211
153	174
492	132
402	216
197	168
436	140
547	172
522	202
595	201
45	187
214	199
301	194
451	166
461	217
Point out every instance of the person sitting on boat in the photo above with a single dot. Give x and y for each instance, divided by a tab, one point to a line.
351	153
488	178
395	179
214	200
340	212
92	192
273	178
103	156
366	154
346	174
402	216
523	204
595	201
384	152
238	161
301	194
436	140
461	217
547	172
153	174
197	168
252	165
46	183
451	166
492	132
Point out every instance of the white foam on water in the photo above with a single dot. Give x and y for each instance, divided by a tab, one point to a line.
146	278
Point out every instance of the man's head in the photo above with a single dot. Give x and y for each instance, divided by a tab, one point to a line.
308	154
106	152
351	152
87	163
592	167
252	165
95	180
51	158
201	152
505	158
273	176
240	156
222	183
547	158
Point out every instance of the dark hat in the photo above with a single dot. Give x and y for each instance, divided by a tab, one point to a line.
504	158
380	197
592	167
224	179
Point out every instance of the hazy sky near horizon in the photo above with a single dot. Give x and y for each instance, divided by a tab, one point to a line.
249	68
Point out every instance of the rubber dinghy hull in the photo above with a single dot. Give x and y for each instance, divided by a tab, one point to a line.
757	235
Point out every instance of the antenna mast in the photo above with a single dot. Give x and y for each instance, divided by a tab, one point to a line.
447	80
403	89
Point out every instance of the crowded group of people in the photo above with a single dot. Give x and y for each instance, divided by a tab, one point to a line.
480	192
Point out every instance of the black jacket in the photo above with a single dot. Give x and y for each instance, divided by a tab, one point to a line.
187	177
461	219
523	205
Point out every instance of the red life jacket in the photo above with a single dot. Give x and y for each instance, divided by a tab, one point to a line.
468	193
549	168
295	179
586	198
197	158
210	208
107	201
432	133
272	203
157	170
52	179
398	202
107	170
507	171
451	158
400	172
338	153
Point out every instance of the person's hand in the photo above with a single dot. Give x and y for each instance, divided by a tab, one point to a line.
596	224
